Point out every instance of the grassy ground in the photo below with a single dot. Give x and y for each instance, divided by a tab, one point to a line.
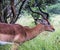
44	41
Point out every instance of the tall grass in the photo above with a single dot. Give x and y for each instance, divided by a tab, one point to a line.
44	41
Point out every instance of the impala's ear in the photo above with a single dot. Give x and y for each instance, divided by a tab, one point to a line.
38	21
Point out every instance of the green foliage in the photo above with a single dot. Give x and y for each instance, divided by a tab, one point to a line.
54	8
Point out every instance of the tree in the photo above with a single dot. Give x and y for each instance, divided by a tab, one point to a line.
24	4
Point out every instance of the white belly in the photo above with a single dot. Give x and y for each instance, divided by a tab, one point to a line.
6	37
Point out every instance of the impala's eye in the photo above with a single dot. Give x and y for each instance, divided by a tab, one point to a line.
48	23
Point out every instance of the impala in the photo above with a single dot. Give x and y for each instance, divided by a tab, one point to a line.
17	34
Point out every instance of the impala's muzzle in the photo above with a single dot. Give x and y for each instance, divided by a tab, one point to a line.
53	30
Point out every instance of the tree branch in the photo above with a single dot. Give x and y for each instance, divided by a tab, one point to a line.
15	19
45	15
1	13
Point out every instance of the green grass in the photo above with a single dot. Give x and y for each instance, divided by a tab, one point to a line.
49	41
44	41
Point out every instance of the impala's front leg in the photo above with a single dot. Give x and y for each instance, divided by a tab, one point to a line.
15	46
16	42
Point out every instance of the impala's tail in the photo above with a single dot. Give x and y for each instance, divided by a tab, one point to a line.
4	43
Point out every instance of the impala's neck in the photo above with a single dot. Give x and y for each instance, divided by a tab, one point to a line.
38	29
35	31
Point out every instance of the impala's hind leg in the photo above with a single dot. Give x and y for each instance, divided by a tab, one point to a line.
15	46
